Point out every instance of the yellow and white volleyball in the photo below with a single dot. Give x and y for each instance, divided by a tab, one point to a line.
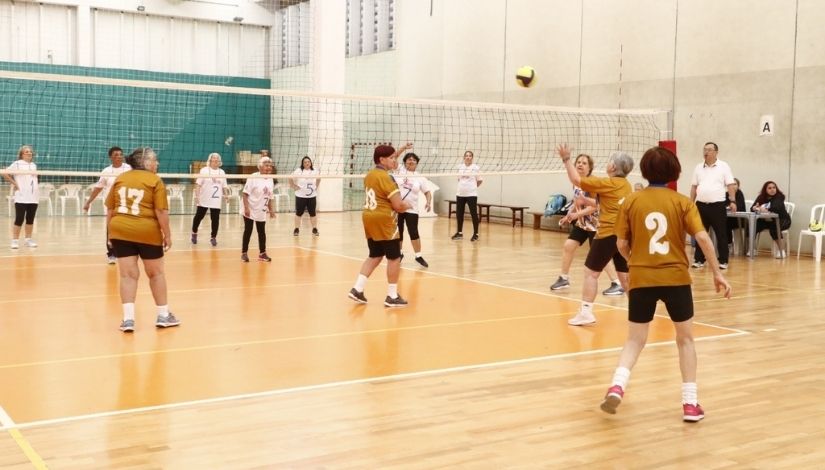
525	76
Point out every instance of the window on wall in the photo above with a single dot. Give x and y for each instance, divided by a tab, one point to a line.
370	25
293	34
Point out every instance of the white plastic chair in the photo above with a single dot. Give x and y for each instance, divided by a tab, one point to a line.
46	190
100	199
174	192
818	216
233	193
281	192
789	208
69	192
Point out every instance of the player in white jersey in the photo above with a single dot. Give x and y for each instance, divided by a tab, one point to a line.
467	193
257	203
26	196
104	185
411	186
306	192
209	189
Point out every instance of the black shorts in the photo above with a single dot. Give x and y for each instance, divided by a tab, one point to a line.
124	249
580	235
389	248
602	250
305	204
677	299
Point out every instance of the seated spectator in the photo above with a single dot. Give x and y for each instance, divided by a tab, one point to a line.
740	207
771	199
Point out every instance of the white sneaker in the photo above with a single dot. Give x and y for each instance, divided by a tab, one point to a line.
31	243
15	244
582	319
723	265
780	254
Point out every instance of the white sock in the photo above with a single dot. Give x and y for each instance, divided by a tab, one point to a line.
163	310
418	254
566	277
621	376
129	311
360	283
615	282
392	291
689	393
587	308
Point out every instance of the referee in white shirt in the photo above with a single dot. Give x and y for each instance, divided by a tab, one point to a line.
711	179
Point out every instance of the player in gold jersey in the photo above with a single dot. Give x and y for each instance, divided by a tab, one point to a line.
382	203
610	191
650	234
138	221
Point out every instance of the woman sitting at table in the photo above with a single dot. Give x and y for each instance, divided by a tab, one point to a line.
771	199
740	207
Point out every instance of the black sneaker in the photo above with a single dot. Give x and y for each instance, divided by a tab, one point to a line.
295	232
357	296
244	257
315	232
458	236
421	261
475	238
401	258
264	257
396	302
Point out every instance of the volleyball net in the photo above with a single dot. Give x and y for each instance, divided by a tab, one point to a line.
72	119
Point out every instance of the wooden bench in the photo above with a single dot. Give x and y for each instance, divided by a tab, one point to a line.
484	211
554	225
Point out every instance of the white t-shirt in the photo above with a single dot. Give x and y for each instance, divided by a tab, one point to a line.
712	181
468	180
411	185
308	186
27	189
109	176
259	191
210	189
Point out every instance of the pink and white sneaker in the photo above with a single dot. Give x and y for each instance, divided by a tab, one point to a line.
612	399
692	413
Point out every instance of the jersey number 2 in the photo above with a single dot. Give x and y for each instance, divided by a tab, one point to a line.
657	221
136	195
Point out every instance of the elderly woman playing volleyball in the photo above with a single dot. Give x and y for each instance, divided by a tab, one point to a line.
611	190
138	220
650	233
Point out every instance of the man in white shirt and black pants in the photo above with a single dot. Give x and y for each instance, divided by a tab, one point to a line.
711	179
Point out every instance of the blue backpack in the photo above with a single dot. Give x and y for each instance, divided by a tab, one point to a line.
555	205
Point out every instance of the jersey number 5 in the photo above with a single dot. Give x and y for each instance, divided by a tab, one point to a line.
657	221
370	202
136	195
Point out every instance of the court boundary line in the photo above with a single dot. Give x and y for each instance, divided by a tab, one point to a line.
8	424
341	383
518	289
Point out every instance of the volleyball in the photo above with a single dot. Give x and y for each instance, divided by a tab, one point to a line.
525	76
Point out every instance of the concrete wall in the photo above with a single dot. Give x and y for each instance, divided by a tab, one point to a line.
719	66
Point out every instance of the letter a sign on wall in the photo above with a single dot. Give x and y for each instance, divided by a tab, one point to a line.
766	125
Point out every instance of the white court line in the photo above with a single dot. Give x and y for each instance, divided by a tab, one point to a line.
519	289
5	420
343	383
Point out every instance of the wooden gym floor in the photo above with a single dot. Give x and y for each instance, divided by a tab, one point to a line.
273	367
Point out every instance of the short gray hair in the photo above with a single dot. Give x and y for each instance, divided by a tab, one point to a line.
137	159
622	162
264	160
214	154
